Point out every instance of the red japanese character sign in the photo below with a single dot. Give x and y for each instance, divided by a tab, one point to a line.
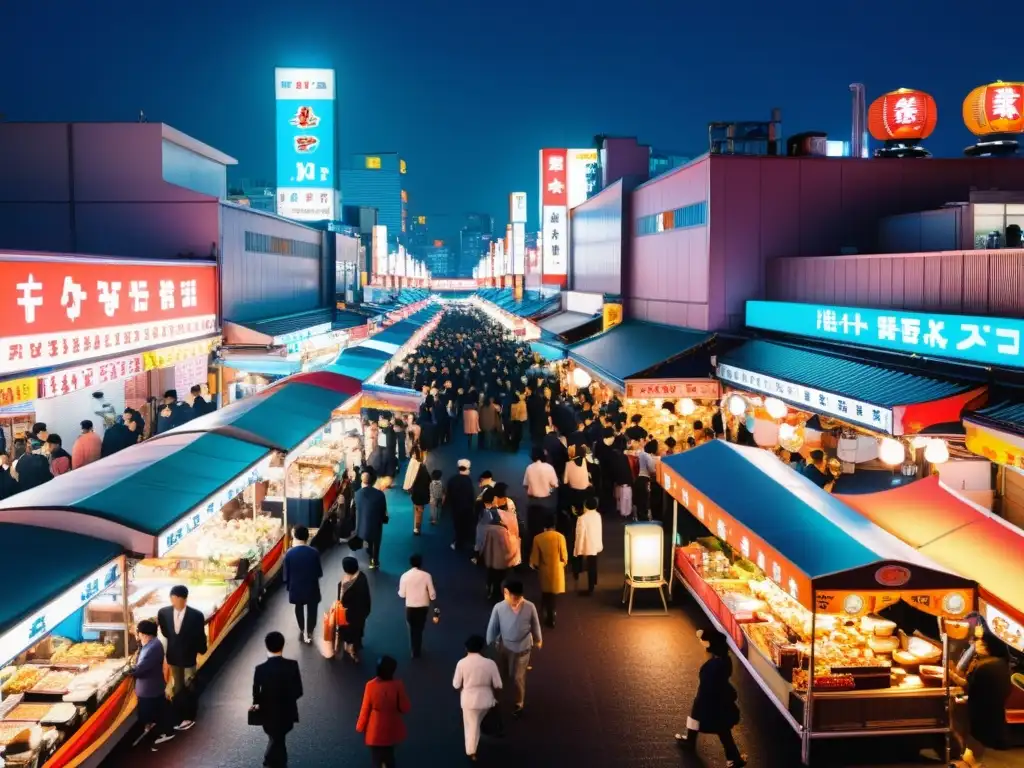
553	177
995	108
669	389
61	311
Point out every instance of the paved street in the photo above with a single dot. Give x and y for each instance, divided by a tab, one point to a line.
606	690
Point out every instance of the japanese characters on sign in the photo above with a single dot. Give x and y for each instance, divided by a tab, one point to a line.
517	207
17	391
168	356
873	417
205	511
69	380
983	340
66	311
35	627
554	214
580	175
996	446
305	143
670	389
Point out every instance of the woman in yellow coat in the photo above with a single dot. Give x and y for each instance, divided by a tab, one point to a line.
549	557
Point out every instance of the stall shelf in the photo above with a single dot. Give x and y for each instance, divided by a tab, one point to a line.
796	582
65	696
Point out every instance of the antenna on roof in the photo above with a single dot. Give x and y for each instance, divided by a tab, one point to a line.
142	117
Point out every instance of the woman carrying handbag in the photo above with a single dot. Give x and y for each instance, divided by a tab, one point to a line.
354	596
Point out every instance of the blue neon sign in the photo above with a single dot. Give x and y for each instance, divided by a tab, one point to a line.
994	341
305	143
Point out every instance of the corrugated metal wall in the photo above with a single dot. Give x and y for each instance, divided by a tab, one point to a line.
256	286
597	243
375	189
958	282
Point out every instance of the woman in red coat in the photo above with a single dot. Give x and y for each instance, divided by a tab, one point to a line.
380	717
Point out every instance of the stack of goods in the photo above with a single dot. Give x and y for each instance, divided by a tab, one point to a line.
228	541
309	481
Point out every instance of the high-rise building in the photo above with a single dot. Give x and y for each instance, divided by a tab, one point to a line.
438	259
418	235
474	240
258	194
376	181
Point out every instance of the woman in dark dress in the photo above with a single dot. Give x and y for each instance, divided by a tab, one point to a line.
980	723
354	593
420	493
714	707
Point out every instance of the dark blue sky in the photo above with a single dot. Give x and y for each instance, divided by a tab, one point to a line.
469	90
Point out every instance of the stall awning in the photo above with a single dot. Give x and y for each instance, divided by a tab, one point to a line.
878	398
634	347
802	537
359	362
263	365
280	418
38	566
565	322
383	398
137	494
344	320
954	533
279	330
325	379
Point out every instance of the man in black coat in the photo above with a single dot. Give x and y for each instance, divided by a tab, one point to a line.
461	497
302	572
184	629
276	690
371	516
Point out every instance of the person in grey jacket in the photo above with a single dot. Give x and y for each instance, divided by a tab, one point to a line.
148	671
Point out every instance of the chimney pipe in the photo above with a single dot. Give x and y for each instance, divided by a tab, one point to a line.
859	132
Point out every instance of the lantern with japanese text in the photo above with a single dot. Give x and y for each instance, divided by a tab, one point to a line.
995	112
902	119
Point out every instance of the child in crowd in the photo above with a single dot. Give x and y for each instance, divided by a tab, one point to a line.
436	496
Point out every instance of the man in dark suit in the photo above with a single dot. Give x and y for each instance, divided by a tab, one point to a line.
371	516
276	689
184	629
302	572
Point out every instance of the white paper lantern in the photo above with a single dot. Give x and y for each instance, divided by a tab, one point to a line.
786	432
919	441
737	405
776	408
686	406
581	378
936	452
891	451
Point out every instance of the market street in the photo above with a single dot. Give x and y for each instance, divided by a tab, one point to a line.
606	689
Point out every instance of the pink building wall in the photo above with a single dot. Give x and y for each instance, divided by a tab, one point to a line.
624	158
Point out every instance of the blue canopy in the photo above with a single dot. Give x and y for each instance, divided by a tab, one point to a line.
134	495
359	362
41	564
634	347
280	418
399	333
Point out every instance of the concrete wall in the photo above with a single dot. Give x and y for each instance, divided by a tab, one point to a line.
257	285
946	229
668	280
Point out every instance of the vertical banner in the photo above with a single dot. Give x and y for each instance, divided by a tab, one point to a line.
518	287
554	215
305	104
611	315
379	250
518	248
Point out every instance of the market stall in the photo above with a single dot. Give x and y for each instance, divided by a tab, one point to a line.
841	624
967	539
65	696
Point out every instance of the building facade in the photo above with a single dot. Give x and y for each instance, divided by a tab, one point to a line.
376	181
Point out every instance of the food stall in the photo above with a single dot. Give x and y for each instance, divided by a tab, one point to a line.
843	626
65	695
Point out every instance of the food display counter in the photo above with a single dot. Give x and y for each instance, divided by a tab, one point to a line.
309	479
64	651
807	592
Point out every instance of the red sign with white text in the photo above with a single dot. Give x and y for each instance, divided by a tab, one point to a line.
553	177
63	311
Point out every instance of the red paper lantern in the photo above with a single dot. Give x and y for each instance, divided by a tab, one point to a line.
995	108
903	115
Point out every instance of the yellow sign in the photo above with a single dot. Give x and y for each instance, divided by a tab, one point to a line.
612	314
952	604
994	445
421	219
401	166
373	163
168	356
18	391
364	279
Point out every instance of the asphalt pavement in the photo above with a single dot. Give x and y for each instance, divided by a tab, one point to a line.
605	690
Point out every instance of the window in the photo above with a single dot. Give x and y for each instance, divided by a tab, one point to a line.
401	166
256	242
373	163
693	215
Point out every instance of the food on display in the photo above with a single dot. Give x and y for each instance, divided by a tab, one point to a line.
54	681
24	678
16	733
1008	633
82	651
31	713
825	682
229	541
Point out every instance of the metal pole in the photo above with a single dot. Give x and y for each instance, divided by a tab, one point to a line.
672	547
124	604
949	697
805	737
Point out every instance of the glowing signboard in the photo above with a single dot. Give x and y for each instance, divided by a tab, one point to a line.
305	143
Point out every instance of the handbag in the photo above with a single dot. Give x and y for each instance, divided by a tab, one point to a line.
340	614
255	715
327	640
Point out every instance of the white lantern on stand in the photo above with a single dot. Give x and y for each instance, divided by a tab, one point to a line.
645	560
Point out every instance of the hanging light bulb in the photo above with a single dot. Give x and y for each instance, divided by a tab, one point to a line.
581	378
786	432
919	441
657	402
891	451
936	452
776	408
737	405
686	406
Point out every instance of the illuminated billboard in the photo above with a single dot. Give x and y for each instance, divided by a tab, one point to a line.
517	207
579	178
305	143
379	249
554	215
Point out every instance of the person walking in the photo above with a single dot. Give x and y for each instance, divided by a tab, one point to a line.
302	572
979	714
494	546
714	707
471	423
490	424
478	682
509	517
436	496
518	418
60	460
184	629
150	687
416	587
514	629
87	448
276	690
420	493
354	594
371	517
461	497
541	485
549	557
380	716
589	543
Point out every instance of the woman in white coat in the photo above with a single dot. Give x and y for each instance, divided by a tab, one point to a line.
589	542
478	680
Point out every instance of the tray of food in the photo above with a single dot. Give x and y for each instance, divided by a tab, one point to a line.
56	682
79	652
23	679
27	713
59	714
11	733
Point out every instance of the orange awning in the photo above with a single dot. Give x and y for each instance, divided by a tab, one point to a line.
954	533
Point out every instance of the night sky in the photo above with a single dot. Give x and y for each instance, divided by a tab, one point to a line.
468	91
